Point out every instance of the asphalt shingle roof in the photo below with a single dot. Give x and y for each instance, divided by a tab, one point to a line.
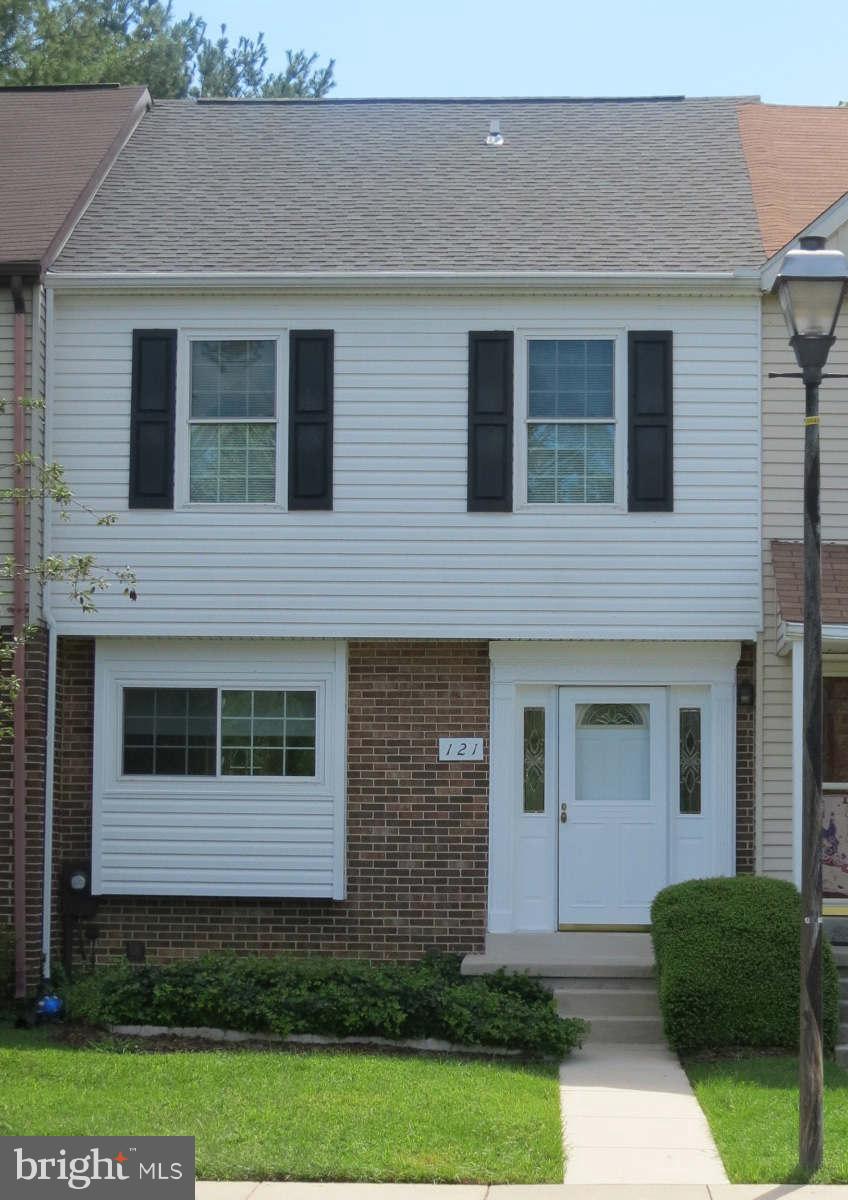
798	160
641	185
788	563
55	141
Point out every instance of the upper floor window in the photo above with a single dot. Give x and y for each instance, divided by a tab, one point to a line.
233	421
571	421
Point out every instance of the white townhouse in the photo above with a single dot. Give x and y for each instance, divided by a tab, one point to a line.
433	433
797	162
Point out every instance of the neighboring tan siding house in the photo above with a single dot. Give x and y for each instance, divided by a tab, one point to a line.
58	144
437	462
797	161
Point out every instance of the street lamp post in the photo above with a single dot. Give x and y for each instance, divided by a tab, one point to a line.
811	287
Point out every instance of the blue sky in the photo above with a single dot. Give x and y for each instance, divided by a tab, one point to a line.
785	52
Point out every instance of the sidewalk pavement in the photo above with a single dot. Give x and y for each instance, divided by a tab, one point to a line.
554	1191
630	1116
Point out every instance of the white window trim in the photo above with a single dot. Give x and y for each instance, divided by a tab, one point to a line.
230	686
567	332
248	663
231	331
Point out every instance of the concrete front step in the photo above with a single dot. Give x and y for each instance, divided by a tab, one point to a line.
626	1031
552	974
614	1000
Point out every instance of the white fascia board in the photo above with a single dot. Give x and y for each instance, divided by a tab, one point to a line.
824	225
793	631
743	280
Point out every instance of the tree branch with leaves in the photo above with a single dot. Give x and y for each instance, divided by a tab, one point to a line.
35	481
45	42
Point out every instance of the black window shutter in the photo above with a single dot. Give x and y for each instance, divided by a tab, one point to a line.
490	422
650	423
154	390
311	419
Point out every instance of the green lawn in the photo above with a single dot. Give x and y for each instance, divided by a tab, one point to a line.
752	1107
279	1115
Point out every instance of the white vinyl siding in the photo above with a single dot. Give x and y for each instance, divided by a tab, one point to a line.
783	478
219	834
400	555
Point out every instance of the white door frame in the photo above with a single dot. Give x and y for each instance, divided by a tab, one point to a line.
530	673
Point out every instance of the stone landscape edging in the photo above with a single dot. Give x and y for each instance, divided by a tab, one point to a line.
211	1034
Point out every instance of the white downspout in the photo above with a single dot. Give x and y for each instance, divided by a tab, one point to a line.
49	765
52	646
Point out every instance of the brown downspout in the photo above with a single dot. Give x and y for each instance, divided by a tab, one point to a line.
18	631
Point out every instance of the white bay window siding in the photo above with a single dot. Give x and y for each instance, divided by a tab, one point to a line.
399	554
219	768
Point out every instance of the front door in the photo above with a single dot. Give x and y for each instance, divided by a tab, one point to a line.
613	815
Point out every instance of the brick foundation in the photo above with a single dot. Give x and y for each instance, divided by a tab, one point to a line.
35	717
417	829
745	734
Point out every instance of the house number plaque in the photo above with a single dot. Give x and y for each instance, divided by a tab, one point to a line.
458	749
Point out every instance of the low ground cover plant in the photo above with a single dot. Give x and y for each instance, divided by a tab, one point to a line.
728	960
334	997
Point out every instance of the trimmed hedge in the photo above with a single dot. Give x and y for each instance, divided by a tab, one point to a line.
329	996
728	957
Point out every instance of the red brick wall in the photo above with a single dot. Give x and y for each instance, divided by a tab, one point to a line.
417	829
35	716
745	733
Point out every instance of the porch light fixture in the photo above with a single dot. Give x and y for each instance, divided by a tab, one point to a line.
811	287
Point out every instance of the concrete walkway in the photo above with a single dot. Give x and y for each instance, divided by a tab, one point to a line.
447	1191
630	1117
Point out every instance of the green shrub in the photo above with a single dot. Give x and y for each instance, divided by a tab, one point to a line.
728	957
329	996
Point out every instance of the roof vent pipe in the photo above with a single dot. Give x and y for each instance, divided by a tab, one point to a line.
494	136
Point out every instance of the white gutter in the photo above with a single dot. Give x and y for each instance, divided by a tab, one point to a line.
793	631
741	280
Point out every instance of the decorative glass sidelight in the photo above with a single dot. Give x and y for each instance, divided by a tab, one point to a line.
534	760
690	761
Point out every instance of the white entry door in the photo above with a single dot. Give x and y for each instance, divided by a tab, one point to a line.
613	804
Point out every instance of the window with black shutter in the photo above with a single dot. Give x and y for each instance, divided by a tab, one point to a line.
490	415
650	423
153	401
311	419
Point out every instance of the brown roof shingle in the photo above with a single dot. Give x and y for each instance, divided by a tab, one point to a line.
57	144
788	564
798	162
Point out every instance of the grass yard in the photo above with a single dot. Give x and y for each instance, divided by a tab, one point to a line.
752	1107
281	1115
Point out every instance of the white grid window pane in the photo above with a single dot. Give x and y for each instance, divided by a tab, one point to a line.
570	431
267	733
571	379
570	463
233	463
233	379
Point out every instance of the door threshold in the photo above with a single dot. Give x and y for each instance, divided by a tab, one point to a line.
604	928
